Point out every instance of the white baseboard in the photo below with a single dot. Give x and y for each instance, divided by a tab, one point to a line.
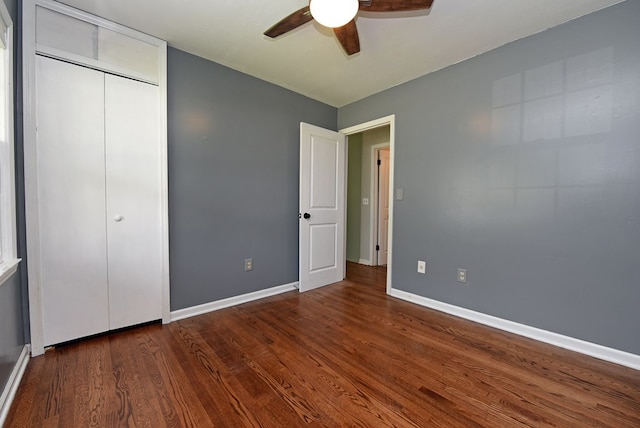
598	351
364	262
231	301
13	383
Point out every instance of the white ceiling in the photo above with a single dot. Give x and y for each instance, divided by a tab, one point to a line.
395	47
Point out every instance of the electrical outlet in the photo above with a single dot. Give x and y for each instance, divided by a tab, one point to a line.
248	265
462	276
422	266
365	201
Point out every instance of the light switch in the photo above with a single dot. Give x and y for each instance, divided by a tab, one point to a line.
422	266
399	194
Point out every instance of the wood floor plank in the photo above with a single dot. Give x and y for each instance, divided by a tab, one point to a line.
90	397
226	399
351	401
169	384
25	410
128	388
342	355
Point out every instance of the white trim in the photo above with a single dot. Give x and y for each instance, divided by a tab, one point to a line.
9	392
364	262
592	349
7	269
96	20
8	247
346	209
164	177
31	176
232	301
95	64
372	124
31	161
5	23
102	23
377	123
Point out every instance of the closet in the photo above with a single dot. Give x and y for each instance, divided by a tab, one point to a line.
98	242
99	200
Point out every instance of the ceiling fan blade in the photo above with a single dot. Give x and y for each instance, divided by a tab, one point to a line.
296	19
394	5
348	37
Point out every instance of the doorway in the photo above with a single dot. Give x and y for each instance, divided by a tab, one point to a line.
374	138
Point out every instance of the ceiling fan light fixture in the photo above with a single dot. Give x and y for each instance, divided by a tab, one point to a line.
334	13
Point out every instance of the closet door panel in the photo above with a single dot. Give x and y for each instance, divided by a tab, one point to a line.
134	205
71	189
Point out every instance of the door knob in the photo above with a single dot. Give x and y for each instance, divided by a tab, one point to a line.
118	218
307	216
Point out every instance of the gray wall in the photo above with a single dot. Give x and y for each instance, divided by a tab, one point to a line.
523	166
354	200
11	338
233	179
11	311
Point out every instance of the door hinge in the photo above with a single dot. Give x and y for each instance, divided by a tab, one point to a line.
377	247
379	161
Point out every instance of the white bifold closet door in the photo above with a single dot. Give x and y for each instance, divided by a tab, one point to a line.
99	201
71	189
134	207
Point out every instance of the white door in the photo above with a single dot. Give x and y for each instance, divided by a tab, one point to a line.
383	206
134	205
99	190
71	186
322	200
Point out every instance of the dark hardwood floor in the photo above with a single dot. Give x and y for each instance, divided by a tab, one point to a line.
342	355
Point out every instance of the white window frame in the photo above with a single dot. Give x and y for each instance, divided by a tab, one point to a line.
8	249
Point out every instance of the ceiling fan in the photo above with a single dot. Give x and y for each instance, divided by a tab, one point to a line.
345	28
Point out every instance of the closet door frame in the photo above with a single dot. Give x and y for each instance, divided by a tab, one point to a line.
30	153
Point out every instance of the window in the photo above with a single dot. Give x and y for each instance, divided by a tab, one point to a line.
8	257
